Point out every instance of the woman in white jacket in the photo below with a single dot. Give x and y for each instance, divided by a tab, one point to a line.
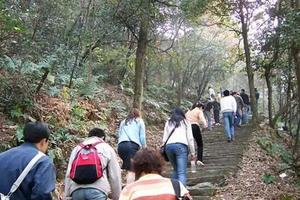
179	143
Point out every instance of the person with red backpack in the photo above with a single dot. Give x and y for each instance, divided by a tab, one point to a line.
93	170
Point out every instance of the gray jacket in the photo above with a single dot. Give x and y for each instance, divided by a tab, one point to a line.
111	180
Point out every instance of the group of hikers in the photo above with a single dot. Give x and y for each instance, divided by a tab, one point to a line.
93	170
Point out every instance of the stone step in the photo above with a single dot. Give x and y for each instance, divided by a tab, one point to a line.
202	189
201	197
221	160
211	155
200	172
214	179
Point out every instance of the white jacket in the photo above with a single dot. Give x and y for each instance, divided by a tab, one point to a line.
228	104
182	134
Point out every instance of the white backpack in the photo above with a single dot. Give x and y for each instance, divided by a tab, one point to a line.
24	173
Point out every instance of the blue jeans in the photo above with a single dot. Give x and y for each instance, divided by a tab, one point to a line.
178	156
229	124
237	119
88	194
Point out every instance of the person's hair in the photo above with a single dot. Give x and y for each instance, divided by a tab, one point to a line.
34	132
177	115
147	160
198	104
98	132
242	90
226	93
233	93
134	113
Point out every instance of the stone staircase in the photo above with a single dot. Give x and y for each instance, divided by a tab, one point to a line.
220	158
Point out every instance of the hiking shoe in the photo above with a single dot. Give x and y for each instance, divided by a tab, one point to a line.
200	163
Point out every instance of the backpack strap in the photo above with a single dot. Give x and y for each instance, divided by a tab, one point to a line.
92	144
176	187
25	172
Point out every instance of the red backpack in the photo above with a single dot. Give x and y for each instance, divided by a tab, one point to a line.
86	167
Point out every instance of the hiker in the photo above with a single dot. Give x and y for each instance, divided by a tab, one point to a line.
216	110
179	143
40	180
240	106
245	98
228	109
147	165
84	184
211	92
132	137
207	113
196	117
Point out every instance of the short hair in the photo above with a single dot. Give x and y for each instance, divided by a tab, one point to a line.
34	132
242	90
98	132
226	93
147	161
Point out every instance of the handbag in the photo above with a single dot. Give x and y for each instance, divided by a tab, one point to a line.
163	148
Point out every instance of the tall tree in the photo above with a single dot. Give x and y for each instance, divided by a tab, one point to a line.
140	56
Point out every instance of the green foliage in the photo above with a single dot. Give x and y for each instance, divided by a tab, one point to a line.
275	149
298	183
19	133
62	135
268	178
193	8
9	24
78	112
16	112
60	139
286	197
88	87
119	106
291	28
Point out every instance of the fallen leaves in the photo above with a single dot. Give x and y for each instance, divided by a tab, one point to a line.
247	183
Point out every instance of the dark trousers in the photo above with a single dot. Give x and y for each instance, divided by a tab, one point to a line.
126	151
217	116
198	138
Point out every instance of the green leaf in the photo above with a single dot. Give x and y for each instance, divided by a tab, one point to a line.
19	133
51	78
268	178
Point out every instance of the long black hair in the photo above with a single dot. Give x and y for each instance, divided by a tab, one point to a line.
177	115
198	104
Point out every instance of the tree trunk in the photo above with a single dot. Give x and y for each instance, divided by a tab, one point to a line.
249	69
295	49
74	66
42	81
296	59
140	60
270	96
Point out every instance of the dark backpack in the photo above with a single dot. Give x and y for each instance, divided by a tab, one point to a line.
86	167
